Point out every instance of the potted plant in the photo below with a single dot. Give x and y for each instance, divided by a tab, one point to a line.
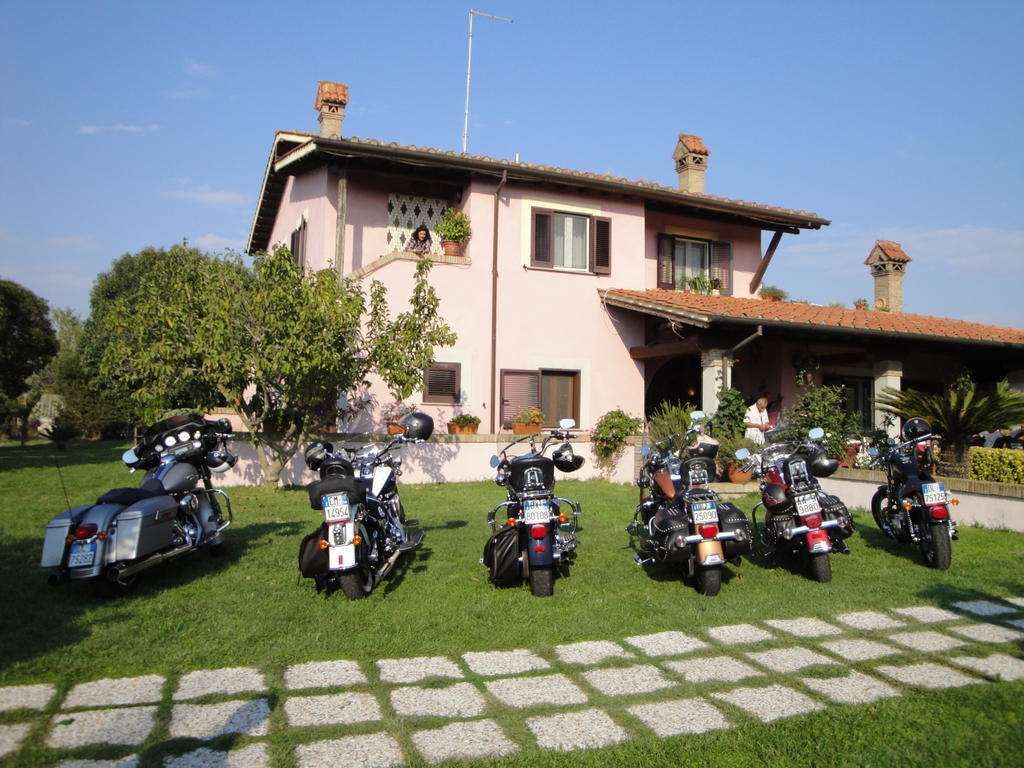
771	293
464	424
529	419
727	447
709	286
392	413
453	230
861	304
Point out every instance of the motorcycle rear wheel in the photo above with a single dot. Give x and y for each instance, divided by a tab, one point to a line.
936	548
359	582
819	566
709	580
542	581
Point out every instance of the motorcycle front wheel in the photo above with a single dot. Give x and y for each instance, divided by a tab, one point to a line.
542	581
881	512
936	548
819	566
358	582
709	580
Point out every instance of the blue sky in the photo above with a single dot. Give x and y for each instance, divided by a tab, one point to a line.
130	124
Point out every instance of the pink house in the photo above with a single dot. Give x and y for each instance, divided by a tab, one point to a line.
581	293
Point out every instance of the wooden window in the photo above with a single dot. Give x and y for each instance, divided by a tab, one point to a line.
680	259
298	245
555	392
571	242
442	383
721	265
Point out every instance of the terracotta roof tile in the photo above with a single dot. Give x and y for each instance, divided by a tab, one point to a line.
725	307
328	91
889	249
694	143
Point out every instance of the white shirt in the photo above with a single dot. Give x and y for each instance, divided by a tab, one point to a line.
755	416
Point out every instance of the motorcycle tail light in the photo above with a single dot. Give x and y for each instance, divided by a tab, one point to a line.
85	531
708	531
812	521
939	513
538	531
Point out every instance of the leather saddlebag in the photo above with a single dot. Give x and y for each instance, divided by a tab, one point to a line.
501	557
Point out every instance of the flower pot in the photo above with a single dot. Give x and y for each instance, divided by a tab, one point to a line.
737	475
451	247
462	429
519	428
395	429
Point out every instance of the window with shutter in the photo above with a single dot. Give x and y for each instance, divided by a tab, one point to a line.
666	244
519	389
442	383
298	245
541	254
601	253
571	242
721	265
681	259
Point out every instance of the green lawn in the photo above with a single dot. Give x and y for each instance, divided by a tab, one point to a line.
250	608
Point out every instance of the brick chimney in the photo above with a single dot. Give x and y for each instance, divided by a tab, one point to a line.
331	99
691	158
888	262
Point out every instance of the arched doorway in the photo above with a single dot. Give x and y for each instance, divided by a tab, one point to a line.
676	381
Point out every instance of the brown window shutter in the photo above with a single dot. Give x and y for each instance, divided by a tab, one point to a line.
666	244
721	265
441	383
518	390
541	253
601	247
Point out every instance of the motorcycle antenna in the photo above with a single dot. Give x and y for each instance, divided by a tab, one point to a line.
60	474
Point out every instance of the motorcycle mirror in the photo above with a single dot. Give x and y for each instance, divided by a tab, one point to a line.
872	451
890	441
816	434
129	457
494	462
567	423
696	415
742	454
645	449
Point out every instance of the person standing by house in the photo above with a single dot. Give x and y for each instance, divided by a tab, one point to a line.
756	420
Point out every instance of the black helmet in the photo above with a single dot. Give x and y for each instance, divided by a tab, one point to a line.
418	426
916	428
219	461
565	459
821	465
316	452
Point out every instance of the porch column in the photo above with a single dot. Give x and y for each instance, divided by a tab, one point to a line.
888	373
715	375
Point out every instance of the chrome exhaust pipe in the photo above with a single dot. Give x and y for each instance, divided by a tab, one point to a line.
58	577
120	572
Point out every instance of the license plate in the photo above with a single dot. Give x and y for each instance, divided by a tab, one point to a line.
934	493
82	553
704	512
536	511
336	508
807	504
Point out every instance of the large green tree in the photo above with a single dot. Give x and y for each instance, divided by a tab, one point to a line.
27	340
278	345
956	414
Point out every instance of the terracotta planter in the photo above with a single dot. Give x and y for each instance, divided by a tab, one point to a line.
395	429
736	475
518	428
451	247
462	429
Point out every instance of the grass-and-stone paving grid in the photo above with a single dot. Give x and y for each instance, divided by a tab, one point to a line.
770	670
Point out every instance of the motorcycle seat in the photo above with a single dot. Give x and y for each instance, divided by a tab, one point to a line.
126	496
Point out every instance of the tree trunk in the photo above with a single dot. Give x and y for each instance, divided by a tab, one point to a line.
953	461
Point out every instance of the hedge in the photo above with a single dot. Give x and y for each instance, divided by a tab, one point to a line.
1000	465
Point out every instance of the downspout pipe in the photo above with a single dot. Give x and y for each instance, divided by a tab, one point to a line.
495	405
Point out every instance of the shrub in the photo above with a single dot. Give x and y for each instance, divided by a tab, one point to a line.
465	420
819	406
531	414
60	432
669	419
610	435
999	465
454	226
772	292
728	419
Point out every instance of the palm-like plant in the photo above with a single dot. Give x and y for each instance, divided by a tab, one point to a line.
956	414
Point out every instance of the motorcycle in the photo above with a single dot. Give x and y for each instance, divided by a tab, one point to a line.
364	530
129	530
538	537
680	522
800	518
913	505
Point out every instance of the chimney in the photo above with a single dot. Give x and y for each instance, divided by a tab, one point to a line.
331	99
691	158
888	262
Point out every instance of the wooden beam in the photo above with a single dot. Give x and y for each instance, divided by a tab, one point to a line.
666	349
756	280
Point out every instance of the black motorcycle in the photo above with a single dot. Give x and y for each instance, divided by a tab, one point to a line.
800	518
680	521
129	530
913	506
536	537
364	530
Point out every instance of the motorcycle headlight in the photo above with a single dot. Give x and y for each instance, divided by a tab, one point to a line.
169	441
184	437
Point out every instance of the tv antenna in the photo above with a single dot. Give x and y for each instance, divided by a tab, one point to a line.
469	66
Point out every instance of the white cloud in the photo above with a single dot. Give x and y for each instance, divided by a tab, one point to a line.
207	196
190	94
72	242
117	128
213	242
17	122
196	68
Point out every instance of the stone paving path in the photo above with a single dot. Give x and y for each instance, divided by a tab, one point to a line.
738	669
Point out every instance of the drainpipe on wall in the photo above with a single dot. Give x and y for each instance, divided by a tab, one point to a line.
495	405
